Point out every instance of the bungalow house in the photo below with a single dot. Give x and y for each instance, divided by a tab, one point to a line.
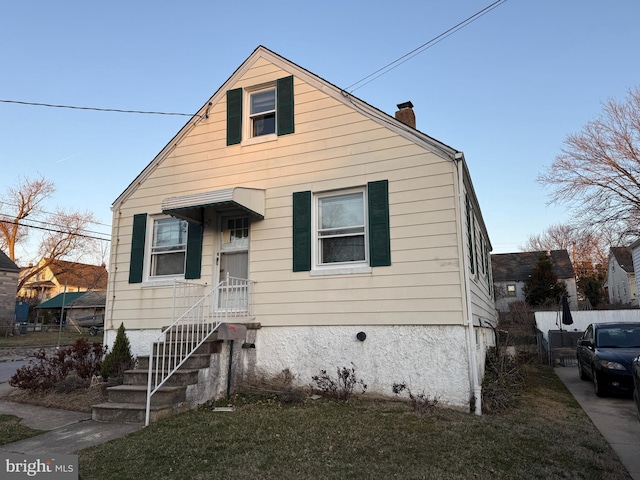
51	277
621	277
512	270
330	232
8	288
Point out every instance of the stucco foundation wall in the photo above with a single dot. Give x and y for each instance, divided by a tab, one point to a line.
430	359
139	340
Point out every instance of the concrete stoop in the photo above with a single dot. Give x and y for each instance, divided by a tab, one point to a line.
127	402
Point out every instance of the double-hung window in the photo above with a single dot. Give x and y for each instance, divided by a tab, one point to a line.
163	247
265	110
341	228
342	232
262	112
168	247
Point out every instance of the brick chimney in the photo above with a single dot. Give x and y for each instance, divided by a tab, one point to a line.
405	114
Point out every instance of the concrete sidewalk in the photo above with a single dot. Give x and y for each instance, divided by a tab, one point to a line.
615	417
64	431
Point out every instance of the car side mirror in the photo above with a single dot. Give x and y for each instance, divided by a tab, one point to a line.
586	343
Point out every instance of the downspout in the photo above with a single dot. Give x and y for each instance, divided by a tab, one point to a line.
471	340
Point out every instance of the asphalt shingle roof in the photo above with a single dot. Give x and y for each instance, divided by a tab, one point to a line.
6	264
517	267
624	258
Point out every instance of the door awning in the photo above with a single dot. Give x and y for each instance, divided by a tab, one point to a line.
191	207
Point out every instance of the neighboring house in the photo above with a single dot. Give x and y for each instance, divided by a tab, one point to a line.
9	272
512	270
53	277
347	235
621	278
75	306
635	255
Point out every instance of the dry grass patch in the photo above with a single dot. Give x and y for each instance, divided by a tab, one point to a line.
79	400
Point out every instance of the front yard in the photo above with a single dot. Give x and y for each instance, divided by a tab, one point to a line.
546	436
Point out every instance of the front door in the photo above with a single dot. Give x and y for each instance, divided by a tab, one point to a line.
233	261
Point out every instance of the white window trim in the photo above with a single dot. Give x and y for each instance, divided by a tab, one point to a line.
346	268
147	278
247	124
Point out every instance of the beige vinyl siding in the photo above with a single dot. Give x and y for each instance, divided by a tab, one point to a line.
334	146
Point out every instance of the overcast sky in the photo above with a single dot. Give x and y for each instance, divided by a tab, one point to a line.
506	89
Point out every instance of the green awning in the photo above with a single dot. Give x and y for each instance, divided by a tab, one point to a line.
56	302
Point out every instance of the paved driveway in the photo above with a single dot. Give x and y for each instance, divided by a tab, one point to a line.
615	417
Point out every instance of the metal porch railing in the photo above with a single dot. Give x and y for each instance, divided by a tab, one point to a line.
196	316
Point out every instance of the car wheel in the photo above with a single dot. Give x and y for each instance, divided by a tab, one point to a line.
597	387
637	405
93	331
581	373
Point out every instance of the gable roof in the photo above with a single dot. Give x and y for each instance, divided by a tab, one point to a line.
261	52
81	275
6	264
624	258
517	267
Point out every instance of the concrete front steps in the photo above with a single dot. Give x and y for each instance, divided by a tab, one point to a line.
127	402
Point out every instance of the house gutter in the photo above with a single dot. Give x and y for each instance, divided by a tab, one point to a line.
471	340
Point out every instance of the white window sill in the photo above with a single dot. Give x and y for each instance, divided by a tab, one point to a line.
340	271
261	139
160	282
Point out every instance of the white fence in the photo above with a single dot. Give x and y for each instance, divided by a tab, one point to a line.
546	321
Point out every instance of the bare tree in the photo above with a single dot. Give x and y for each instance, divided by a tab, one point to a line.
21	201
598	171
62	232
586	246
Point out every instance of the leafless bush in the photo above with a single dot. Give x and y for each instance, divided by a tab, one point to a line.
281	385
342	387
421	403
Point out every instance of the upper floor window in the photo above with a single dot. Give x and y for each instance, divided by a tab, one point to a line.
168	247
511	290
263	112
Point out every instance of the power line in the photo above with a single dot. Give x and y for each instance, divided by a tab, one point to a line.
408	56
30	219
97	109
40	212
51	224
54	230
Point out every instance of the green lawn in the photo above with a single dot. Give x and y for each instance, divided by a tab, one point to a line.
47	339
12	431
547	436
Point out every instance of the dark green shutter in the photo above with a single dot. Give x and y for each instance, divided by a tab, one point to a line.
284	110
136	264
469	234
379	234
302	231
194	251
234	116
